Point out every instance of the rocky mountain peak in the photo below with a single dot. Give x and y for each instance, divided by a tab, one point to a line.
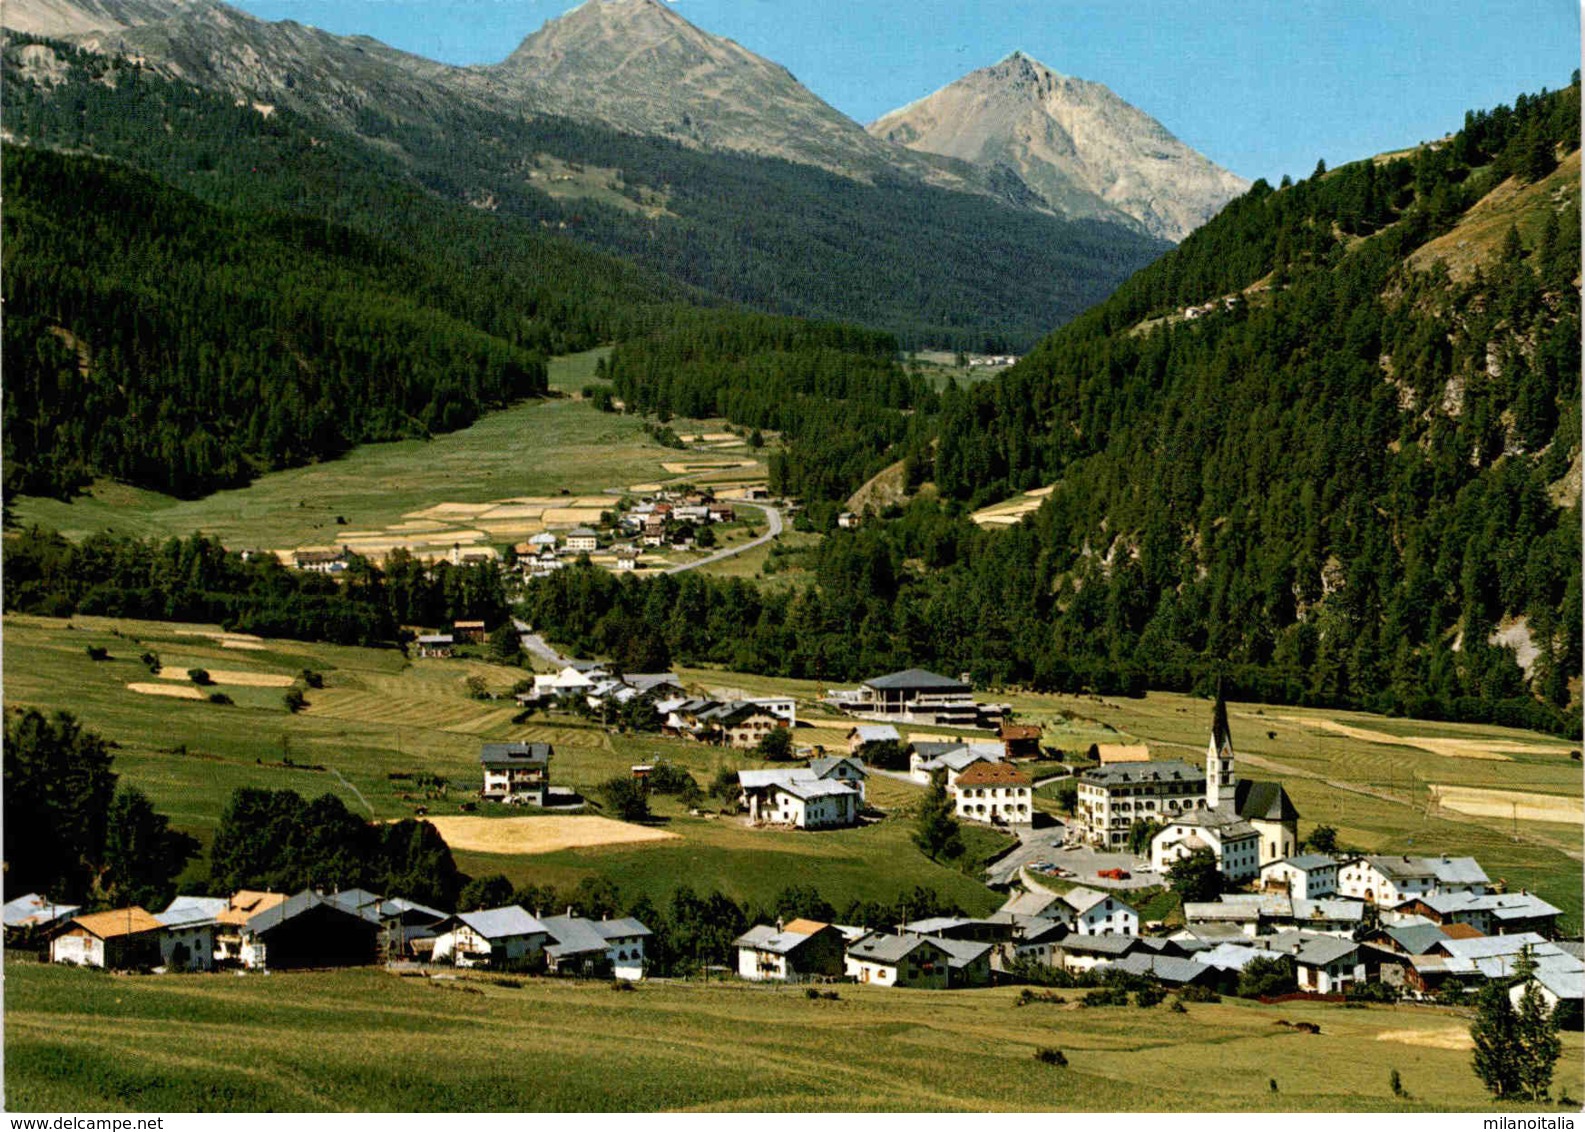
1074	142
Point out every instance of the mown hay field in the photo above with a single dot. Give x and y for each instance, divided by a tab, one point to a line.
535	448
364	1040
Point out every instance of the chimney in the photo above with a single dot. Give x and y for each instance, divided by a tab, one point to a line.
569	910
779	925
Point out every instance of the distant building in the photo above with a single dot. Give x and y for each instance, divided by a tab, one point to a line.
1308	875
309	930
582	540
321	561
516	772
995	792
799	797
473	632
489	938
898	961
120	939
867	733
790	953
438	645
913	696
1020	741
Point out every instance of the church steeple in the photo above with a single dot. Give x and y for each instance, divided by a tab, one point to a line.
1220	778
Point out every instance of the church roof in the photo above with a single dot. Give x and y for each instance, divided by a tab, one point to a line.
1221	736
1263	801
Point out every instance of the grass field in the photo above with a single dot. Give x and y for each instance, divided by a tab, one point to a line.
368	1041
534	448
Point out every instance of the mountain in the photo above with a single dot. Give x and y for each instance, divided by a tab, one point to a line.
1085	151
641	67
875	244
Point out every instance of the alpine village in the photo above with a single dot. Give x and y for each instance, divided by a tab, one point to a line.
596	581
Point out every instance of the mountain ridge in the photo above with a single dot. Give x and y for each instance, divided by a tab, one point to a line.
1086	151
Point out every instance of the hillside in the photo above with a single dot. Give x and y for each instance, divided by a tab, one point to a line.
888	240
1340	479
1085	151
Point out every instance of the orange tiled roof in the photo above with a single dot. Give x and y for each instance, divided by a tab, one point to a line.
992	774
117	923
805	927
1461	931
248	903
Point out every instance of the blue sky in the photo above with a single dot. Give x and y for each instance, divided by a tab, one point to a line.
1264	87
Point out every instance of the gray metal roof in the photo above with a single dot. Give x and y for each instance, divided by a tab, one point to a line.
304	901
649	681
36	909
515	754
623	927
1029	903
1318	951
573	935
961	952
1457	870
825	766
581	532
876	733
195	907
880	947
1123	774
1328	908
1082	899
1304	862
1417	939
1101	944
1402	868
764	937
354	899
916	679
1167	968
400	906
1263	801
502	923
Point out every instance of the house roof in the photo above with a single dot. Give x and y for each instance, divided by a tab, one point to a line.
1120	774
1110	753
1328	908
397	906
34	909
1229	956
1116	945
502	923
1229	826
1416	939
515	754
246	903
765	937
581	532
1457	870
649	681
1167	968
1566	984
1029	903
1318	951
196	906
1492	945
1304	862
961	952
185	918
807	788
882	947
992	774
1263	801
825	766
305	901
356	899
573	935
807	927
876	733
1460	931
623	927
117	923
916	680
1017	731
1082	899
1401	868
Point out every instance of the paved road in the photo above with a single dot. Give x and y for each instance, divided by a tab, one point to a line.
537	645
774	528
1034	846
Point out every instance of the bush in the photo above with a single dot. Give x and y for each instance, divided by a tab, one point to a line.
220	698
1105	996
626	798
1177	1007
199	676
1048	1056
775	744
623	985
313	679
97	652
151	660
1198	994
1149	996
294	700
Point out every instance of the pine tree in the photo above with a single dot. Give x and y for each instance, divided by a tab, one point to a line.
936	829
1495	1033
1535	1026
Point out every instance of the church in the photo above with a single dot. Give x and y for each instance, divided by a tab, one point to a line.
1245	823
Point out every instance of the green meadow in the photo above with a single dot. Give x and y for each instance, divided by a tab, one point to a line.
539	447
364	1040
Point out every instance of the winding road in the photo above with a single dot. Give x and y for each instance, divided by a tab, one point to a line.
773	529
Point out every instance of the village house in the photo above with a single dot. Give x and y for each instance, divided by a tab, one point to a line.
739	724
998	793
782	707
436	645
596	948
1020	740
1083	911
1488	913
321	561
187	941
799	797
1234	842
926	757
516	772
1327	964
473	632
1111	797
627	557
582	540
851	771
1168	970
491	937
1109	753
1562	990
407	928
31	913
309	930
968	962
1308	875
1036	940
867	733
242	906
118	940
1385	881
847	521
912	696
898	961
792	952
571	679
1080	953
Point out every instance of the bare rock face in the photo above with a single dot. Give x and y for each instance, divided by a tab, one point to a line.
640	67
1075	143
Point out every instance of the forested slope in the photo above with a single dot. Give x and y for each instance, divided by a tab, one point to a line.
930	265
1352	487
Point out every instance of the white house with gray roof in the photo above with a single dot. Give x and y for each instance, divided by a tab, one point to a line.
899	961
912	696
489	937
596	948
516	772
927	757
1307	875
792	952
799	797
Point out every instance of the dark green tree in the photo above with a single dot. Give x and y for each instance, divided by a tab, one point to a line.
936	829
493	891
1322	839
777	743
1272	975
143	855
58	789
1498	1058
625	797
1536	1033
1196	876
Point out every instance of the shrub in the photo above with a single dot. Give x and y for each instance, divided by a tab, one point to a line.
1177	1007
220	698
294	700
97	652
622	985
1047	1056
1198	994
313	679
1105	996
199	676
1395	1082
151	660
1149	996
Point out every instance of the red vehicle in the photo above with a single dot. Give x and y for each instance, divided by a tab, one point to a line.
1114	874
